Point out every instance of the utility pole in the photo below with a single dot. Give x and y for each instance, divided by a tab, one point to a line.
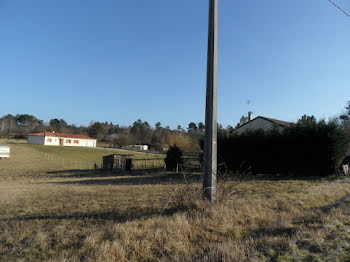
210	143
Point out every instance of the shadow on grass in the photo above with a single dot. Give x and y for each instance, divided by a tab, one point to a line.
127	179
159	176
277	177
115	215
78	173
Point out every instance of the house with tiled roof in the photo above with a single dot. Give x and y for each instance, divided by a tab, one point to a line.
61	139
260	122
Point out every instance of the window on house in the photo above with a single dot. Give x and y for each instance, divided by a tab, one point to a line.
49	140
76	142
68	141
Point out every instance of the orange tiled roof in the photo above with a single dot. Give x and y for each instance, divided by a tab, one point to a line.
54	134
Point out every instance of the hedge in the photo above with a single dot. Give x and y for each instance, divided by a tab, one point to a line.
303	149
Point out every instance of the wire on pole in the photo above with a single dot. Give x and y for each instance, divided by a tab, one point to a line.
340	8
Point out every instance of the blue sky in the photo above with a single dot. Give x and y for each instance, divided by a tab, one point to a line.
88	60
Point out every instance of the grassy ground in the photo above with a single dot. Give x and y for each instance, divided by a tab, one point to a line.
53	214
77	157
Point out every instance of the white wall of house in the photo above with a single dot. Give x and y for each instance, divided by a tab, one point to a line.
55	141
51	141
78	142
258	123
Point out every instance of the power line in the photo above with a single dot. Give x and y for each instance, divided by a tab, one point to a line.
340	8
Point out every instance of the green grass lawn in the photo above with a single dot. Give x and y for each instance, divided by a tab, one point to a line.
77	156
87	154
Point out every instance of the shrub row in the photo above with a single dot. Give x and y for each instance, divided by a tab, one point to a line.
312	148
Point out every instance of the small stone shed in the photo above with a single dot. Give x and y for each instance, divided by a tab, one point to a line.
118	162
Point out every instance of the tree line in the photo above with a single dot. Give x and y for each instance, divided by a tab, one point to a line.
140	132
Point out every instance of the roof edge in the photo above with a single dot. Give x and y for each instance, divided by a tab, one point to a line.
271	120
62	135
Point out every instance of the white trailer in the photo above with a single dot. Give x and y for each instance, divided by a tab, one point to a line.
5	152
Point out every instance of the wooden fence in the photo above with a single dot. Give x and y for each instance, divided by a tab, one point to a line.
150	163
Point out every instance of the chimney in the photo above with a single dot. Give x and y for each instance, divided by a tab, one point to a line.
250	116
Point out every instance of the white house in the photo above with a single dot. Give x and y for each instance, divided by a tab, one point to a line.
61	139
5	152
140	147
261	122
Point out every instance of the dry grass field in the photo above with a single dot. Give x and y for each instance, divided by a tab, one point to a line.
48	213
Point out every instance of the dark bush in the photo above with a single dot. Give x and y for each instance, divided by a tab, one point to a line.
174	156
307	148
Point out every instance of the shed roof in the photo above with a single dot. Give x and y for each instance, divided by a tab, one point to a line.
54	134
